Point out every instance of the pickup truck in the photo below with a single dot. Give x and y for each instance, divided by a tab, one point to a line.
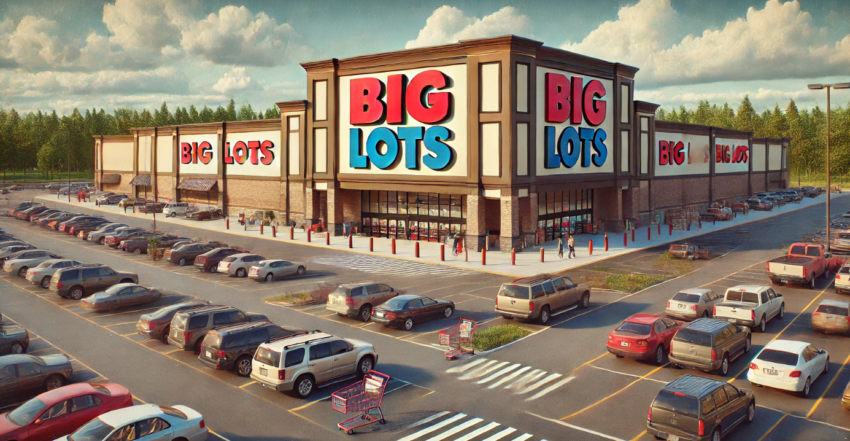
750	305
803	264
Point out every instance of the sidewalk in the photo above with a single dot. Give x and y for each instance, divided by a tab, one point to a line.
527	261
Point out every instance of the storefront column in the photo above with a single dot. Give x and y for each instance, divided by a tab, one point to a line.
335	211
475	230
509	225
311	207
528	219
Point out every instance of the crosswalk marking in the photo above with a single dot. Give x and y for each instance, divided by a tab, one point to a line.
467	366
384	265
513	377
501	434
549	389
478	431
483	370
498	374
509	377
540	383
427	420
456	429
459	427
433	428
522	437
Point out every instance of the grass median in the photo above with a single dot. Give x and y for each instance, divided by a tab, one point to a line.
495	336
297	298
631	282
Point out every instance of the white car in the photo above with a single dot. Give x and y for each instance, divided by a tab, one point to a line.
238	265
842	279
147	422
788	365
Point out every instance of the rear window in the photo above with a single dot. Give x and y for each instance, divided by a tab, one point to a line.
635	328
677	403
213	340
778	357
341	291
835	310
235	340
844	235
679	247
696	338
394	304
684	297
514	291
844	270
267	356
68	275
229	259
741	296
163	312
813	251
197	322
801	250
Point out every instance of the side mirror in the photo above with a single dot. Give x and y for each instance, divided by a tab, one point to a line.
38	421
778	295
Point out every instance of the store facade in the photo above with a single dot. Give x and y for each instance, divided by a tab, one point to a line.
503	140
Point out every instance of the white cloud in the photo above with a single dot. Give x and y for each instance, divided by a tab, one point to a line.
34	44
141	24
232	81
30	85
448	24
237	36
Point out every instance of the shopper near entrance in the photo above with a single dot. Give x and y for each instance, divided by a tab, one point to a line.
560	248
572	244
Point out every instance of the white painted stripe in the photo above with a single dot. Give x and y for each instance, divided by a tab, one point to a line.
498	374
427	420
582	429
501	434
550	388
525	379
509	377
522	437
540	383
478	431
456	429
466	366
433	428
482	367
483	371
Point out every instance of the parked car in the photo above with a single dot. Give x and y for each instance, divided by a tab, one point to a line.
688	251
142	422
271	269
407	310
114	239
154	207
759	204
14	339
643	337
112	200
175	209
776	200
831	317
99	236
208	261
788	365
699	408
33	211
538	297
750	305
188	328
845	397
80	220
188	253
22	206
691	304
13	251
358	299
231	348
140	245
157	325
41	273
22	262
121	295
237	265
61	411
12	242
53	223
131	202
283	365
73	230
83	231
45	214
709	345
80	281
721	214
792	195
803	264
28	375
206	213
842	279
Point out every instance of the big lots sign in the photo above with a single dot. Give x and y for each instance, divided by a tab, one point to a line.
405	122
679	154
577	123
251	153
731	155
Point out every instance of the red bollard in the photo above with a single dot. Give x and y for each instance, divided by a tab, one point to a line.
700	223
659	229
393	243
309	235
606	241
460	248
274	231
671	229
590	248
466	255
633	236
541	255
371	244
416	249
227	223
513	256
484	256
261	229
625	239
328	238
350	244
649	233
442	252
291	233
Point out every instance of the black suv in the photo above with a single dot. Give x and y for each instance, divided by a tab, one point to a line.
188	328
83	280
232	347
699	408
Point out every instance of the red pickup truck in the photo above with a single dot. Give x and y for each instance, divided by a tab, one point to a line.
803	264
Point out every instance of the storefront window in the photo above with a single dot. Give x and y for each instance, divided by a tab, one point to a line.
373	202
456	203
382	195
402	203
392	202
434	204
445	205
563	212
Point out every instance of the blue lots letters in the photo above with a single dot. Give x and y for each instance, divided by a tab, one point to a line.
440	156
574	144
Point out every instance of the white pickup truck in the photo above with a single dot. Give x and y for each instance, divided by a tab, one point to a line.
750	305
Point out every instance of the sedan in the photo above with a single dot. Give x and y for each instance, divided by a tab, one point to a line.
24	375
62	411
41	274
99	236
643	337
788	365
26	260
237	265
131	202
832	317
157	324
11	251
121	295
14	339
691	304
406	310
143	422
268	270
759	204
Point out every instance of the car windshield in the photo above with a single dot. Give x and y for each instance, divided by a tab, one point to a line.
394	304
742	296
115	288
94	430
834	310
24	414
695	338
515	291
267	356
685	297
779	357
163	312
634	328
678	403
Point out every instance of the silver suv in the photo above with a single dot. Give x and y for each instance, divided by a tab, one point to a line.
540	297
303	362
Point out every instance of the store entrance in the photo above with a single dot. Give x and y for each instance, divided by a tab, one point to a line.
414	216
561	213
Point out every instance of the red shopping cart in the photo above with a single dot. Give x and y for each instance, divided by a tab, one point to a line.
362	397
459	338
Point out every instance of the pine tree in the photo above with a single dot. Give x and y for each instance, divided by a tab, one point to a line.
193	115
207	115
231	112
746	118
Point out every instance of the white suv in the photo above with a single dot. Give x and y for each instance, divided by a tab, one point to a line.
303	362
175	209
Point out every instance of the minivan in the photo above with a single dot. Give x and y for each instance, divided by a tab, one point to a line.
175	209
710	345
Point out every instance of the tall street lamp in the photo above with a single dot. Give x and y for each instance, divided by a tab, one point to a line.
828	187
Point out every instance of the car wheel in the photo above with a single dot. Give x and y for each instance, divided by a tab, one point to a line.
812	283
304	386
269	277
198	345
585	300
659	355
137	251
544	315
762	325
301	271
716	435
366	364
243	367
365	313
165	333
241	272
54	382
408	324
214	269
751	411
448	312
724	366
182	261
748	345
781	311
826	366
172	214
22	272
17	348
45	282
76	293
101	240
807	388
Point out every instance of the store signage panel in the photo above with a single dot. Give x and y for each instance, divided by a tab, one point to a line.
252	153
575	123
197	154
410	122
679	154
731	155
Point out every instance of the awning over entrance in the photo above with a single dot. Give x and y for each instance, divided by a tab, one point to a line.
141	180
111	178
197	184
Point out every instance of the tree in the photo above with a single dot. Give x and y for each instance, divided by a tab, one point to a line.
272	113
231	112
746	117
246	113
221	115
194	117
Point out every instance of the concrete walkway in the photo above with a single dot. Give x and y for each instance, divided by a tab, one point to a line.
527	261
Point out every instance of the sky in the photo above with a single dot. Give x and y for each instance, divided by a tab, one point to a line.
61	54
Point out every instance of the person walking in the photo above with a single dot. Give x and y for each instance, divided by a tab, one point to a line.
560	248
572	243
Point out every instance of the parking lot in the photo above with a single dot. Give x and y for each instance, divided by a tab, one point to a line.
560	380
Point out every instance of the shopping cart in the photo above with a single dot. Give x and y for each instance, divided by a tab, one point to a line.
459	338
362	397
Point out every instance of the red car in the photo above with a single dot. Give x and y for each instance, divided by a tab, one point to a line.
61	411
643	337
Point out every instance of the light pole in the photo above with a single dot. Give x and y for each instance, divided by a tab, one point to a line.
828	188
68	141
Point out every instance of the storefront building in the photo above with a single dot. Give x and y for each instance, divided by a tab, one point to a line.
503	140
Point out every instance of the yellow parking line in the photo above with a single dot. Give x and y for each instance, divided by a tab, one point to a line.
639	436
41	350
119	324
772	427
127	312
308	404
171	351
247	384
613	394
846	360
124	335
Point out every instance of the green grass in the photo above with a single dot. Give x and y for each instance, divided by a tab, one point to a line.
37	176
602	269
496	336
290	299
631	282
673	264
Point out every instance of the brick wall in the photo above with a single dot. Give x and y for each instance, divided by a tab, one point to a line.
606	204
123	186
474	239
296	202
730	186
492	215
678	192
165	187
351	206
244	194
758	182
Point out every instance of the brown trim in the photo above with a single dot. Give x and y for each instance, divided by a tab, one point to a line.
195	175
116	138
645	107
265	125
417	188
292	106
119	171
577	185
515	88
498	86
327	98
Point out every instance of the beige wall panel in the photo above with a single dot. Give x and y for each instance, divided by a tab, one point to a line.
164	154
118	156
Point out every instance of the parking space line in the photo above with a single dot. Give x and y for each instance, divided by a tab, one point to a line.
247	384
772	427
642	434
615	393
119	324
628	375
579	428
835	377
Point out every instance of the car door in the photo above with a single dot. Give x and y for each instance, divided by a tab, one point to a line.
553	298
83	409
775	302
30	378
9	383
656	337
417	311
125	433
561	292
433	309
153	429
672	327
713	299
138	295
372	294
344	359
386	293
285	269
816	360
737	340
737	403
572	294
321	363
725	414
90	279
52	423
